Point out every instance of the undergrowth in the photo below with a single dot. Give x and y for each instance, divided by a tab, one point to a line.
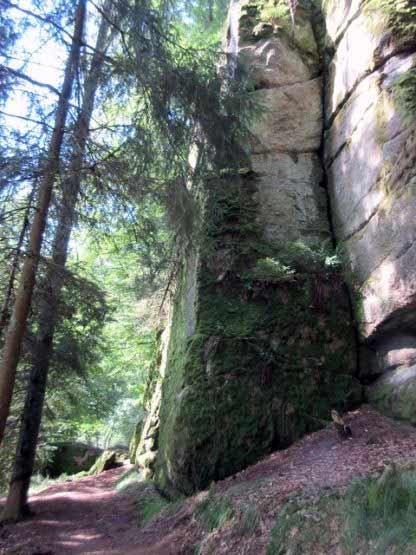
39	483
128	479
149	502
375	516
214	511
381	513
247	523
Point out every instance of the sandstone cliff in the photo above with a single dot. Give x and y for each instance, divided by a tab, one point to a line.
262	341
370	156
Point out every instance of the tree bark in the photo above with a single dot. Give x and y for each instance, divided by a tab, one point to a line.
17	503
17	326
5	311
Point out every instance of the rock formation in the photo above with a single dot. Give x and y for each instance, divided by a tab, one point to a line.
261	342
370	159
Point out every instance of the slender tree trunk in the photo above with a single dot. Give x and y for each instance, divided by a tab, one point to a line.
5	311
17	326
17	505
210	11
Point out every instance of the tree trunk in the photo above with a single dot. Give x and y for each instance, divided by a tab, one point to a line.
5	311
210	11
17	326
17	505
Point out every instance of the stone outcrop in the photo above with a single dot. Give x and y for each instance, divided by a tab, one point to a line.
286	138
145	441
71	458
107	461
370	159
261	344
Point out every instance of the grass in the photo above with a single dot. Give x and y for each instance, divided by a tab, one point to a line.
128	479
214	511
374	516
39	483
149	502
381	513
248	522
150	507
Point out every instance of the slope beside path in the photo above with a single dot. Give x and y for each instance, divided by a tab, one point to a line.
88	516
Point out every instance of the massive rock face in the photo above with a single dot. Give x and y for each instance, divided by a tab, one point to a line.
260	342
370	158
286	139
261	345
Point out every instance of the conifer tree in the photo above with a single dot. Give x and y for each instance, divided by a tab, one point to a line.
18	321
16	505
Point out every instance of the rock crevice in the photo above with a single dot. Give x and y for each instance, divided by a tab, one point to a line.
370	156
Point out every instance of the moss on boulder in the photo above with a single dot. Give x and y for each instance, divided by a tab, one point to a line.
135	440
71	458
107	461
256	358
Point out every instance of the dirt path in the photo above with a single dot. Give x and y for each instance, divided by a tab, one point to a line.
88	516
82	516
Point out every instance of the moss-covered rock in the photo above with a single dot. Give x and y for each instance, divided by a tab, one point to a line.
257	356
135	440
71	458
261	343
395	393
107	461
395	18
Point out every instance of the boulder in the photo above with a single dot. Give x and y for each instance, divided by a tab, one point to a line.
71	458
107	461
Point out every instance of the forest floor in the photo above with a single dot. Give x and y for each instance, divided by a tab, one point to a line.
89	516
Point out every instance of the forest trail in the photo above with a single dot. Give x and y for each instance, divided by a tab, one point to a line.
88	516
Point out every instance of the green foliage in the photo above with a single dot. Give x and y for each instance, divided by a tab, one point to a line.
248	522
150	507
310	258
285	522
275	10
270	269
381	512
215	511
149	503
208	20
375	515
396	17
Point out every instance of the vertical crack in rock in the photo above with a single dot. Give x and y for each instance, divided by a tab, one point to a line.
271	348
261	343
370	148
